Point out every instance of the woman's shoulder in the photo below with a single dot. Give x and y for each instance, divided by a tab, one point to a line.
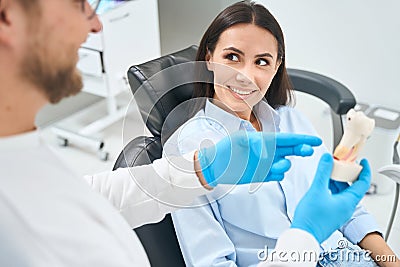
288	112
195	126
189	135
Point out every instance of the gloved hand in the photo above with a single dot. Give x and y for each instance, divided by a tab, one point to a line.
336	186
251	157
321	212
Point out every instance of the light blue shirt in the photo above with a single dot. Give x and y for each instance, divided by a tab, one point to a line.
229	226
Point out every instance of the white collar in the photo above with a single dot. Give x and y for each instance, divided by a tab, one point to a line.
20	141
268	117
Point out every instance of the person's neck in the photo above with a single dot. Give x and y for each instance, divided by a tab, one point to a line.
19	104
249	116
244	115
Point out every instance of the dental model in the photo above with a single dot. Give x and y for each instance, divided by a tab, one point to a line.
357	129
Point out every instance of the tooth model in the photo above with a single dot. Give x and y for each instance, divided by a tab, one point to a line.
356	131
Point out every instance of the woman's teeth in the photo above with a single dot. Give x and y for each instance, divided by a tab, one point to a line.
237	91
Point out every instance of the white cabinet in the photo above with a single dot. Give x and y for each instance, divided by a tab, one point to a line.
130	36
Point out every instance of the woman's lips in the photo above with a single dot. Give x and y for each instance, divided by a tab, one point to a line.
241	93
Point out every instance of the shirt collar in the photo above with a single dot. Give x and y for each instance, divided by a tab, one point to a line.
223	120
20	141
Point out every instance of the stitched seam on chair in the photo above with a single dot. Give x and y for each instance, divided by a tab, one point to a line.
145	80
153	96
154	92
159	97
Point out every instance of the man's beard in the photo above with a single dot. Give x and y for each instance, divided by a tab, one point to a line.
55	81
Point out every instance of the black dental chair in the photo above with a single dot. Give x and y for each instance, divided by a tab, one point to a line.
156	100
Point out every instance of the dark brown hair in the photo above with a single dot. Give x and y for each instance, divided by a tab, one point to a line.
280	90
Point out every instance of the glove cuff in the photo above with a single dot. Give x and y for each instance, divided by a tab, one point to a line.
310	231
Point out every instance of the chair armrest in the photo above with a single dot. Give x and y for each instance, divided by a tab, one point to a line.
392	171
140	151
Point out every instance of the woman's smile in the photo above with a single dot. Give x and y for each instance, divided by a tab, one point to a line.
241	93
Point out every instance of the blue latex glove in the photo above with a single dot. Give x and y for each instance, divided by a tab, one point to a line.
251	157
321	212
336	186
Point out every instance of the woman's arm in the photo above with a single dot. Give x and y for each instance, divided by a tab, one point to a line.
380	251
202	238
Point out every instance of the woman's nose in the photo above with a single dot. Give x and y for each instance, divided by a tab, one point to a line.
243	78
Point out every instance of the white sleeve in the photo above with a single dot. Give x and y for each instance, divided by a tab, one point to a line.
145	194
294	247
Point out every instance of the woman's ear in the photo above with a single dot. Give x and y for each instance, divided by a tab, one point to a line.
210	65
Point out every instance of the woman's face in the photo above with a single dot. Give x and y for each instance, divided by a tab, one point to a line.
244	63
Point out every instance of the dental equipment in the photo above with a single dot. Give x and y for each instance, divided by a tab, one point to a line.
393	172
356	132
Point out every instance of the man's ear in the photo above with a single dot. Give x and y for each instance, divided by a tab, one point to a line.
210	65
5	21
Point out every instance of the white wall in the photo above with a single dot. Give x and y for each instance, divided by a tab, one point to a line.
183	22
356	42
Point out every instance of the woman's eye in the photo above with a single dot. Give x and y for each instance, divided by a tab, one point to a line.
232	57
262	62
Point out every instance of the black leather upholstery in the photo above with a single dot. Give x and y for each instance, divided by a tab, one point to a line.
140	151
149	83
160	85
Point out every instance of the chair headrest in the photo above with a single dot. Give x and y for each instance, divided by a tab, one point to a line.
160	85
336	95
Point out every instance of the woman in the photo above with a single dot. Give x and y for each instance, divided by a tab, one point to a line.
248	89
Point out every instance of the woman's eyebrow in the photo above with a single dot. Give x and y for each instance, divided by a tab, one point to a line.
265	55
242	53
234	49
